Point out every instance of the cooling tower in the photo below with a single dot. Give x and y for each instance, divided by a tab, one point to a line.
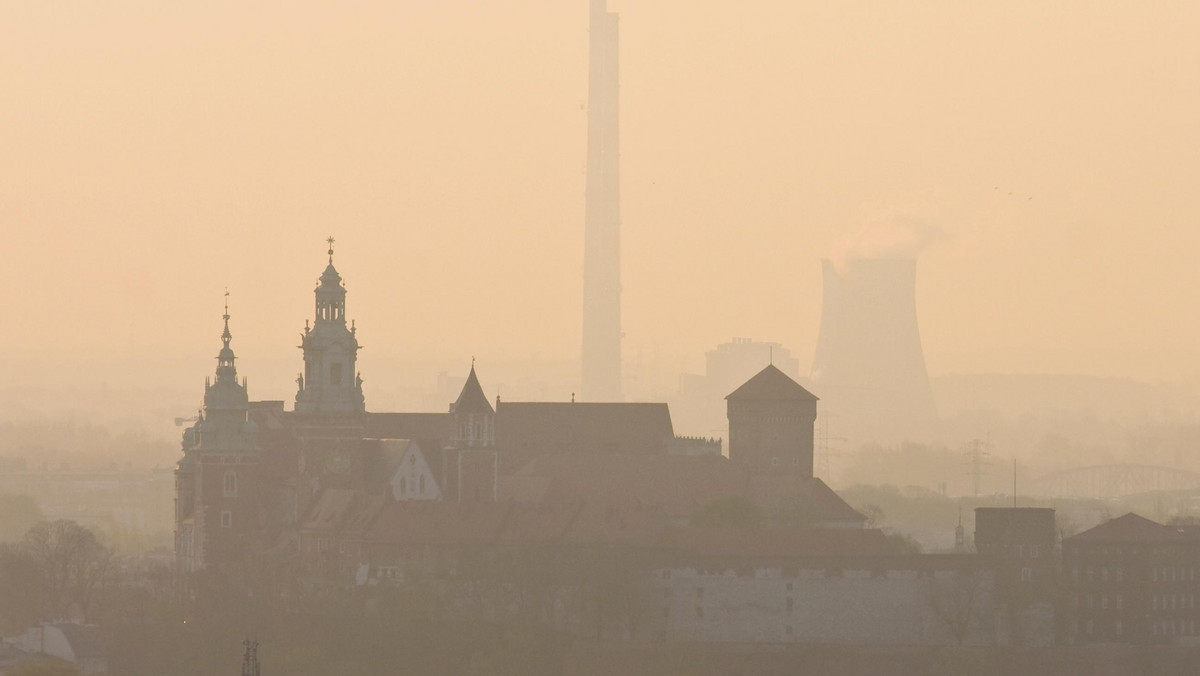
869	369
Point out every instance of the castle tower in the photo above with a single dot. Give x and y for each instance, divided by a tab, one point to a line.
215	481
471	455
601	356
330	383
771	424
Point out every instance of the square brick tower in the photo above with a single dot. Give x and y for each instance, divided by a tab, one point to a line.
771	424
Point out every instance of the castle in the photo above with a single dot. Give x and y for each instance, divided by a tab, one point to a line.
257	479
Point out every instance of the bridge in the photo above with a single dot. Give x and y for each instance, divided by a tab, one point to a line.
1113	481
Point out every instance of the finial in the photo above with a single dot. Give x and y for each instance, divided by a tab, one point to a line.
472	362
225	335
330	240
771	357
572	397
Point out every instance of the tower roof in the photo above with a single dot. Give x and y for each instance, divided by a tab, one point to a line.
471	399
771	384
331	278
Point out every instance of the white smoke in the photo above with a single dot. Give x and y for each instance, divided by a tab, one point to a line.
898	236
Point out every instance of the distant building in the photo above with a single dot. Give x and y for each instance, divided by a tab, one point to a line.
1131	580
697	408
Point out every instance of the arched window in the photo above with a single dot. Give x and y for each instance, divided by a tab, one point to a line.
401	485
230	484
422	485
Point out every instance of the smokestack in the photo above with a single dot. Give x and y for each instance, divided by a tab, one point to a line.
869	369
601	362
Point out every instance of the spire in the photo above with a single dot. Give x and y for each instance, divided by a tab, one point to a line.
225	358
225	335
331	293
472	399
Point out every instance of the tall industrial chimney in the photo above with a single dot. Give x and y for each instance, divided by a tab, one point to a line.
869	369
601	362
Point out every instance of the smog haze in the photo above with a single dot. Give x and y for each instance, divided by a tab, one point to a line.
157	153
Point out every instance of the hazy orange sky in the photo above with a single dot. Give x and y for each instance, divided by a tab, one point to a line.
157	152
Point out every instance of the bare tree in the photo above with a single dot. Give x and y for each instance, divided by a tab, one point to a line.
72	563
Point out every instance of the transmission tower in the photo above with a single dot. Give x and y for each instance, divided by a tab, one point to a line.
977	462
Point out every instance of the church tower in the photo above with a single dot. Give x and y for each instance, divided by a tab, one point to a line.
771	424
471	456
216	501
330	383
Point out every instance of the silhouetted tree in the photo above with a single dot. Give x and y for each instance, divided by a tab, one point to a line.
72	564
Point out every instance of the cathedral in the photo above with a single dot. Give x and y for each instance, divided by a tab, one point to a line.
320	483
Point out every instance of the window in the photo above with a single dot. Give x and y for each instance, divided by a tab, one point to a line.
1026	574
227	519
1120	573
1118	627
699	611
789	604
788	630
1104	600
775	461
1119	601
401	485
699	592
421	489
335	374
789	586
230	484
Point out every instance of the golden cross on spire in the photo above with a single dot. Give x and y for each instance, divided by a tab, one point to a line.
330	240
227	302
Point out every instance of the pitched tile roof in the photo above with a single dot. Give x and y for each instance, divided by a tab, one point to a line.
534	428
1134	528
771	384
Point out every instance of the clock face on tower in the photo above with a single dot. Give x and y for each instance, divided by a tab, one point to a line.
338	462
